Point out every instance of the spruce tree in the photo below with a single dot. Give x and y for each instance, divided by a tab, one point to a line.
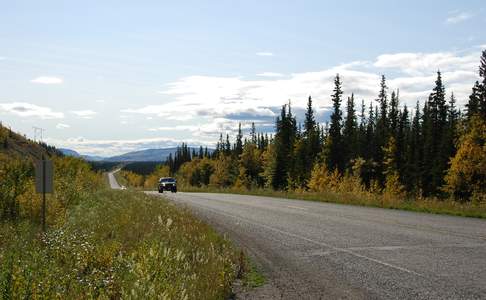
311	143
382	128
361	139
227	146
239	142
350	131
286	130
414	153
382	122
369	143
450	135
394	113
473	105
482	74
441	128
402	138
201	152
310	122
334	144
253	134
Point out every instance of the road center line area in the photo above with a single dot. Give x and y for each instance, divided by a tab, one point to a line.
296	207
312	250
336	249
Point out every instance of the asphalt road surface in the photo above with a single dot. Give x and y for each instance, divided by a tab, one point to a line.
312	250
112	180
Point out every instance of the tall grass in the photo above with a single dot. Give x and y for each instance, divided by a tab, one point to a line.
117	245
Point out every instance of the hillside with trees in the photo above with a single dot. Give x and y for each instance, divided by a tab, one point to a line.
13	144
431	151
100	243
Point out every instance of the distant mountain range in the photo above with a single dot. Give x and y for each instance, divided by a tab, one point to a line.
135	156
69	152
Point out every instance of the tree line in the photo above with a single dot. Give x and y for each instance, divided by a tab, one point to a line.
430	150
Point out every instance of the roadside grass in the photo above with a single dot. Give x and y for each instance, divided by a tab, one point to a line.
251	276
426	205
117	244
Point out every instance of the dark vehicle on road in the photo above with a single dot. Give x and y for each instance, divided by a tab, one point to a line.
167	184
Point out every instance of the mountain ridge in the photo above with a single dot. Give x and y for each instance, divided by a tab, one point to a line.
145	155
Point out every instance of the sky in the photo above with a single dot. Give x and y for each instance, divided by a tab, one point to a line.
108	77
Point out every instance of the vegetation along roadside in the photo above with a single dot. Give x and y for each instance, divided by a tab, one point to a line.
101	243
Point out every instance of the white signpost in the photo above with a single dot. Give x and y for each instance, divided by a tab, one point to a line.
44	182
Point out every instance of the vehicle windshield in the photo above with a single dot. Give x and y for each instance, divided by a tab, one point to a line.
167	180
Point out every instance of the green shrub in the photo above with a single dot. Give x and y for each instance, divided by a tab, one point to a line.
117	245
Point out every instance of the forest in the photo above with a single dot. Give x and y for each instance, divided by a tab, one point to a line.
432	151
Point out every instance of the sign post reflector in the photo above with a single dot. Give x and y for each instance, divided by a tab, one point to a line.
44	182
44	179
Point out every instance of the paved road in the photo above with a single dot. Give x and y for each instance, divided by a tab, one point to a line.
313	250
112	180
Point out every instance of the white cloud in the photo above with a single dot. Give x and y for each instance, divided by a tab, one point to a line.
24	109
458	17
204	99
47	80
211	129
264	53
421	63
85	114
270	74
62	126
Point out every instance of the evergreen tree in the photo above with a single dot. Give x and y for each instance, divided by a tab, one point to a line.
239	143
201	152
369	145
414	153
394	113
382	118
253	134
401	136
362	131
284	143
350	131
450	132
334	143
382	129
227	146
441	128
474	101
311	144
482	74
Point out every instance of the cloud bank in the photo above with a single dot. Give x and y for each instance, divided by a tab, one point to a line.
108	148
219	103
23	109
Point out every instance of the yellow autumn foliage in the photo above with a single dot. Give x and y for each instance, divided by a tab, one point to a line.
467	174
